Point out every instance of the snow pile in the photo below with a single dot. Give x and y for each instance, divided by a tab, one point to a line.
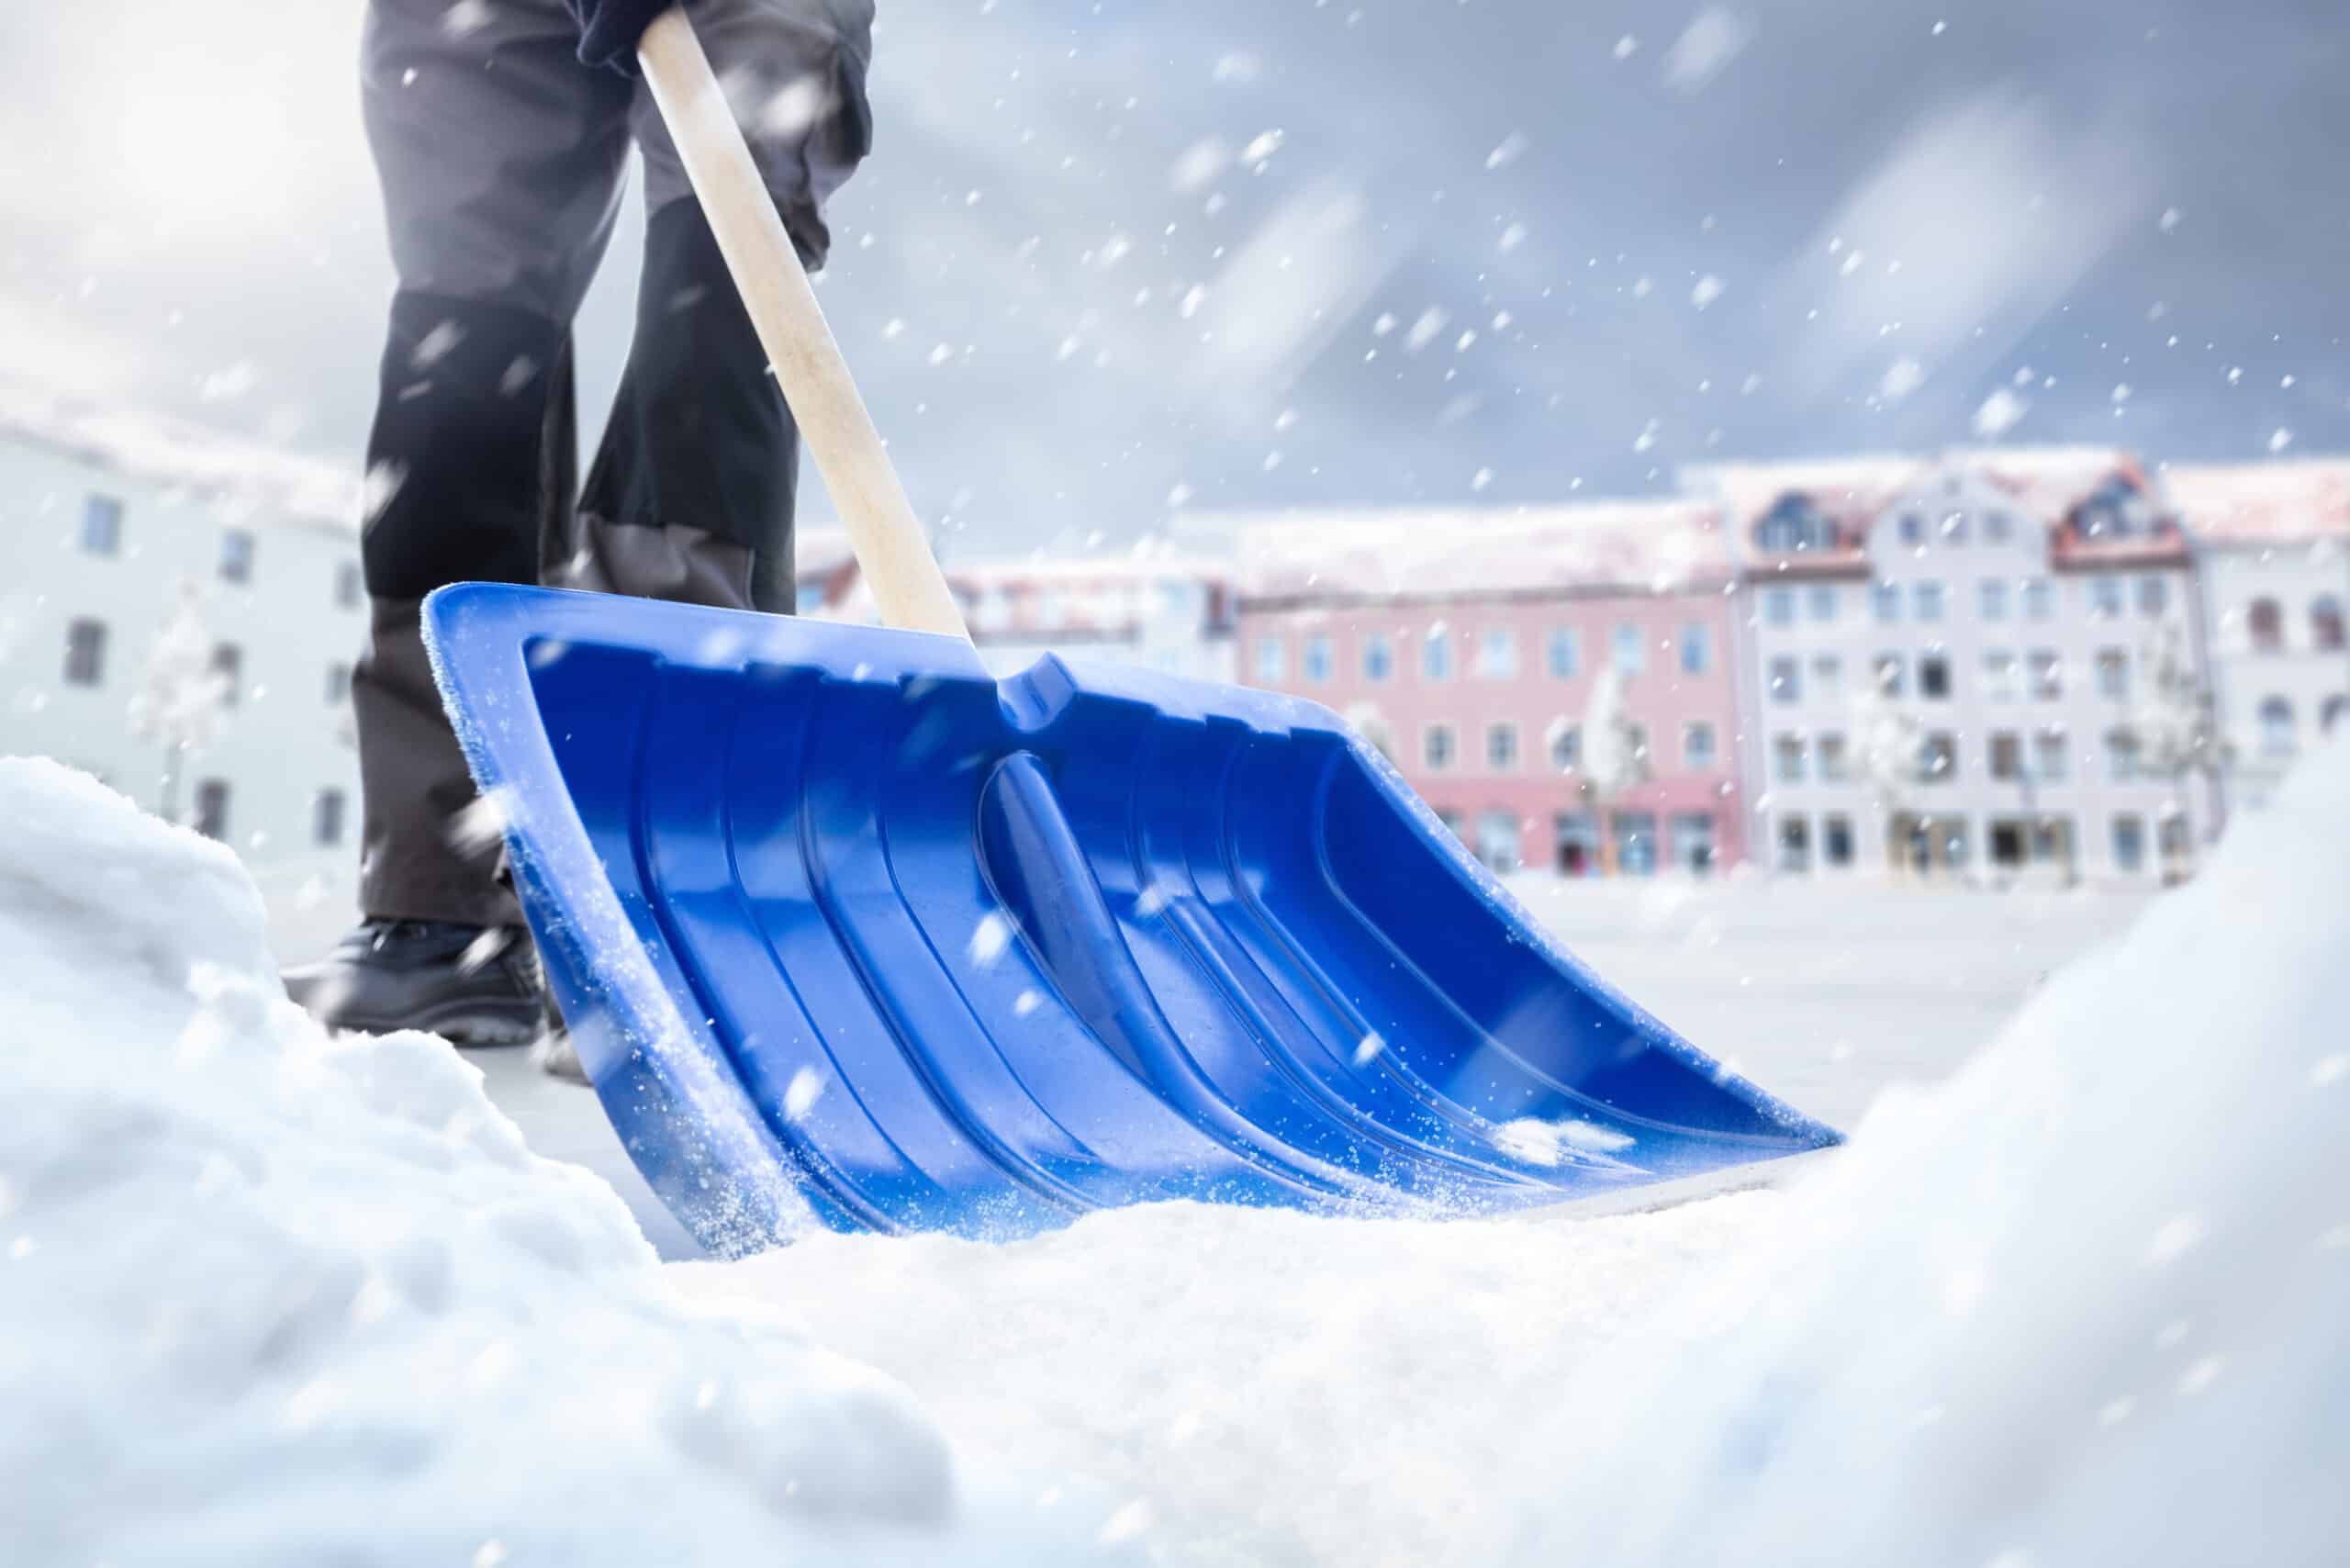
2087	1303
266	1298
1260	1388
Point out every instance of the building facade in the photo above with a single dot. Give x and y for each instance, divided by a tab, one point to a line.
2271	543
1557	684
1980	666
138	558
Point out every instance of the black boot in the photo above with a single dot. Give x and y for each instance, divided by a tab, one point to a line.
473	985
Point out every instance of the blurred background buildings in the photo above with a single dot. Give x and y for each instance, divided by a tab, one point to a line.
1986	664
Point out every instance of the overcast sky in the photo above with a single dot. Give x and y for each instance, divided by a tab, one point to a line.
1114	258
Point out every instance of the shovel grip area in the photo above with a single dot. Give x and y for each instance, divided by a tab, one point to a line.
855	934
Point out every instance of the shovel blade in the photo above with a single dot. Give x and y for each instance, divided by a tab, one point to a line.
848	930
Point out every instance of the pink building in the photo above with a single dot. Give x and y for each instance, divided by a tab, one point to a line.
1472	648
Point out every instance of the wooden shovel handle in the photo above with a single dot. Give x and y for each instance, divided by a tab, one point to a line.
907	585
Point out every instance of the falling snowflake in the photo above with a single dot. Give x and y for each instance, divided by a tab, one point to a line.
1708	289
800	1094
1507	152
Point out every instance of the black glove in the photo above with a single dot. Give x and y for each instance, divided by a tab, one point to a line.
608	30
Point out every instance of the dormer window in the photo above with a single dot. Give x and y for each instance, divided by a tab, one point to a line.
2116	509
1794	525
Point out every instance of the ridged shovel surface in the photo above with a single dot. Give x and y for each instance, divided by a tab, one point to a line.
847	927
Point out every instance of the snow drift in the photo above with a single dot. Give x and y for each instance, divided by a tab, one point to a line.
2087	1303
266	1298
269	1298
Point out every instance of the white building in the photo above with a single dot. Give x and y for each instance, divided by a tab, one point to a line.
2273	547
107	522
1955	663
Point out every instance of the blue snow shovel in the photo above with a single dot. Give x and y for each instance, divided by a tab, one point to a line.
847	929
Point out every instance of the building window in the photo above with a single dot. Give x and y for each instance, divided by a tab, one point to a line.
1693	842
1991	599
1836	839
2105	597
1436	653
1833	767
1786	682
1497	654
1317	658
1576	840
1779	606
1884	601
2009	846
2267	622
101	525
1497	840
2153	596
2047	676
1564	652
1501	748
1436	747
236	555
1820	602
2006	755
212	808
1933	676
2113	674
2121	755
2129	842
349	585
1827	677
1886	670
1998	526
326	818
1795	844
338	684
2330	714
2276	738
2051	757
85	653
1629	649
1636	844
1377	657
1566	747
1698	750
1786	759
1999	675
229	663
1938	757
2038	599
1696	648
2326	624
1913	528
1272	660
1926	601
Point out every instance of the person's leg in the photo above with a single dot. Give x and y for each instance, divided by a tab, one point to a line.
501	159
690	495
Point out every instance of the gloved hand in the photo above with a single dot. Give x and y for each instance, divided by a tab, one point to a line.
608	30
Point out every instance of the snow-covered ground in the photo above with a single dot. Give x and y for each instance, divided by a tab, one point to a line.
2087	1298
1825	995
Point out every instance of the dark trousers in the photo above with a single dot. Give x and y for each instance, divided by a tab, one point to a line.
501	159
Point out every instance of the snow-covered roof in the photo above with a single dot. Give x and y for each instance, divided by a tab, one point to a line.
1848	490
2046	482
273	485
1653	546
2305	499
